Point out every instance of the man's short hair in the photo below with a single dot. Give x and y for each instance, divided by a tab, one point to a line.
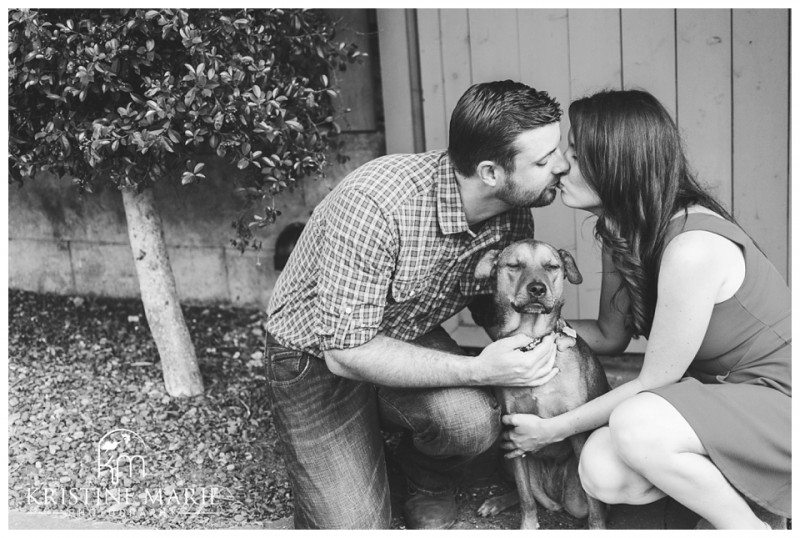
488	118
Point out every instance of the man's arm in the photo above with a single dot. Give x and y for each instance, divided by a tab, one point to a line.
391	362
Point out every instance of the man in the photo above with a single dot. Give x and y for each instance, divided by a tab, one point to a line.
354	338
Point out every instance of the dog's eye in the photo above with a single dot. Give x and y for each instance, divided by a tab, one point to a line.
552	266
511	265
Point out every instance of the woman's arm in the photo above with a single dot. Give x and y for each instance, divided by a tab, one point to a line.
694	268
607	334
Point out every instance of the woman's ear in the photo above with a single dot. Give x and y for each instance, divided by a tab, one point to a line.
490	173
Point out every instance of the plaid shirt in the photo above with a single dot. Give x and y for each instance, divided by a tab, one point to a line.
387	252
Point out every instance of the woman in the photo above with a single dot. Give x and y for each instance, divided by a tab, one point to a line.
677	269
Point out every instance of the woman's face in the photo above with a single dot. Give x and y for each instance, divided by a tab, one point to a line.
575	191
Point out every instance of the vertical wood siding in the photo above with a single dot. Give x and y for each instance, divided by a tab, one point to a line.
722	73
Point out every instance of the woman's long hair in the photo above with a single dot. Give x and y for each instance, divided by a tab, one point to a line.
629	150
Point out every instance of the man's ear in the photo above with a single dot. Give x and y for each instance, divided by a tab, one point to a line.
570	267
489	172
485	268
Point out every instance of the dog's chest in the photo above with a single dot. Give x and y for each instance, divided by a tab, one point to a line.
545	401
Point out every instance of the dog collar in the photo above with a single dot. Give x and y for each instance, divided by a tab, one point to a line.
561	329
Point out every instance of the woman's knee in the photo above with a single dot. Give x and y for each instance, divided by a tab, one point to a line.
597	475
604	476
635	433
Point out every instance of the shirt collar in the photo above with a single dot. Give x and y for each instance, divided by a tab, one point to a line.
450	208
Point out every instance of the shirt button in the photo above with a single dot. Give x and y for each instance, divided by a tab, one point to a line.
348	310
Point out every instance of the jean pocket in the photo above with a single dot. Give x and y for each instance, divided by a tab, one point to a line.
287	366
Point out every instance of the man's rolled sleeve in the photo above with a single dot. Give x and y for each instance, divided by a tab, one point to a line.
355	271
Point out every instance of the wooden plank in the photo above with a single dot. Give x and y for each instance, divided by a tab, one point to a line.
397	109
456	62
494	44
546	29
356	83
594	44
648	53
594	41
761	128
432	78
704	96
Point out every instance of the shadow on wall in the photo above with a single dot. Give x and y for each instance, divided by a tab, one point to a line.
64	243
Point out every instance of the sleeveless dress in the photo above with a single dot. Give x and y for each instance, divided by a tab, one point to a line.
737	393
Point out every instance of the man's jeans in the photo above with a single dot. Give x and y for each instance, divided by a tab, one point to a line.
334	451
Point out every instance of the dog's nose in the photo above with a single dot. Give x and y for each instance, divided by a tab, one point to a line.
536	289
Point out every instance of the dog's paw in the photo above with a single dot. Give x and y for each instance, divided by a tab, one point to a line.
495	505
492	507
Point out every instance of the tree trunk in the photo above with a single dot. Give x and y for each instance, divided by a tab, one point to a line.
160	296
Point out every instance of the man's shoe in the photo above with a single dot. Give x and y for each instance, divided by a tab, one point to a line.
423	511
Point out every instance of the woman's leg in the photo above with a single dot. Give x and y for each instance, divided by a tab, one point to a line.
606	477
654	440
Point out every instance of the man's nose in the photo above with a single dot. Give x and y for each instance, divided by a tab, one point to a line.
561	166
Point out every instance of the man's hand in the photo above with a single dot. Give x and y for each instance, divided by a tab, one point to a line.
505	365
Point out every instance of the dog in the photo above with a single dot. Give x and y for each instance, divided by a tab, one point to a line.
528	299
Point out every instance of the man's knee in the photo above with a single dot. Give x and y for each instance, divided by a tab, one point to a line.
462	421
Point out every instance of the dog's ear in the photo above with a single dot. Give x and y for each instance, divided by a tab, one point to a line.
570	267
485	268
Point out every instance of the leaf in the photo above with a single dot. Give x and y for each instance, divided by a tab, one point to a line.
243	163
198	167
294	125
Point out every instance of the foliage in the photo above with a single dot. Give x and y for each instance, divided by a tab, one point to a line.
133	97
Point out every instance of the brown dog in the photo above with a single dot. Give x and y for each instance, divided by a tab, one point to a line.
530	281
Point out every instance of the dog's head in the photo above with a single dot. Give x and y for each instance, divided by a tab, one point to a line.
530	277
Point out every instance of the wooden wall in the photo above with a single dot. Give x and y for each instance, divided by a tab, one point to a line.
722	73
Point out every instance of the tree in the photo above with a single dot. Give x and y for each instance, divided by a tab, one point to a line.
126	98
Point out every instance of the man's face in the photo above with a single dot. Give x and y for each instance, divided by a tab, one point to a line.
538	168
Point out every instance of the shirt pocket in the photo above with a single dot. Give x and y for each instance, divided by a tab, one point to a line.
415	273
402	291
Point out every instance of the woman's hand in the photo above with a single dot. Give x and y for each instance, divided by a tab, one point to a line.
527	433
